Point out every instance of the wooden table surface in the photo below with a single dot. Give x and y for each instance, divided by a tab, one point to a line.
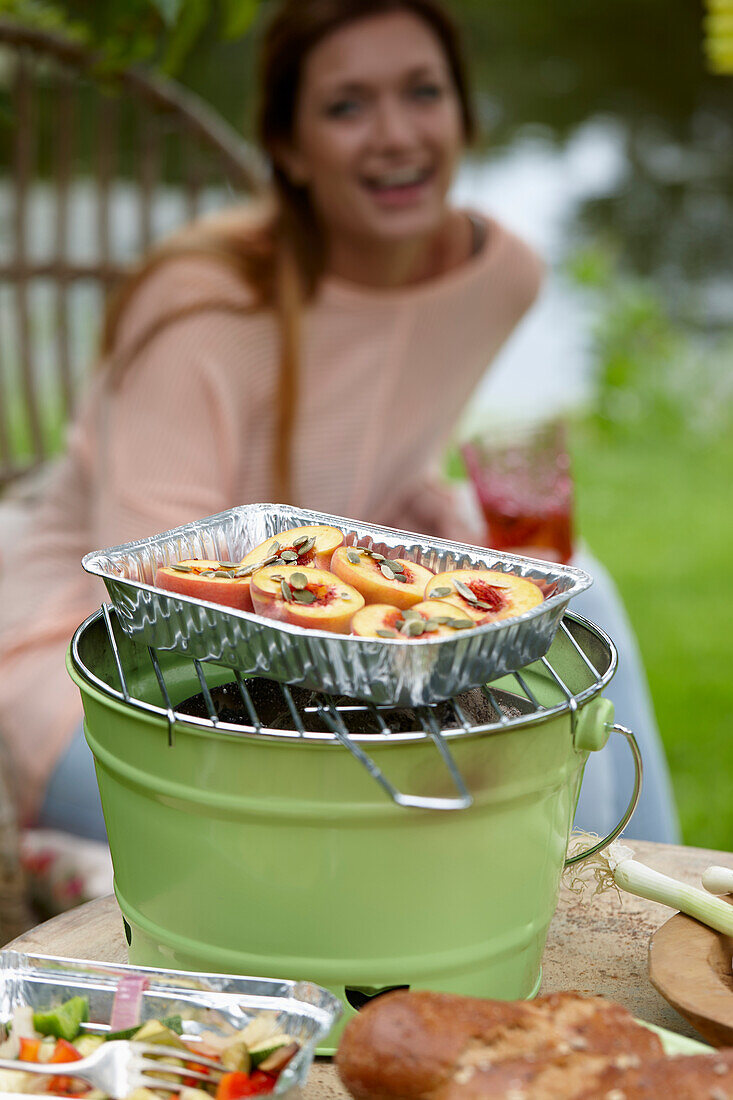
595	947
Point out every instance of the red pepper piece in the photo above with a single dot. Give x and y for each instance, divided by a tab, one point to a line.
234	1085
64	1051
264	1082
194	1082
29	1049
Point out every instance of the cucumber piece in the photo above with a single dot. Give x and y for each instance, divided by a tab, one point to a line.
267	1047
86	1044
63	1022
155	1031
172	1023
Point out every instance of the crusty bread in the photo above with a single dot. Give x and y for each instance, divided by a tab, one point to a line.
440	1046
688	1077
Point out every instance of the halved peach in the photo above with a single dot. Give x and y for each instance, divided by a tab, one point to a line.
312	545
429	619
204	579
379	579
486	595
305	596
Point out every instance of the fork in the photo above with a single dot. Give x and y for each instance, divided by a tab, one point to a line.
119	1066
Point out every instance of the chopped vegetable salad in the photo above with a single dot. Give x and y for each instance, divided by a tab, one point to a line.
251	1059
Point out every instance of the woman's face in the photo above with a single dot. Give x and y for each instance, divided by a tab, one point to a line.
378	130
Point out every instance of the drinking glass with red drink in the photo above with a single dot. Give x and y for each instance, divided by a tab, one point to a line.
523	482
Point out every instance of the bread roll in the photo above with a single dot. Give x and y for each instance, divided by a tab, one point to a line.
688	1077
440	1046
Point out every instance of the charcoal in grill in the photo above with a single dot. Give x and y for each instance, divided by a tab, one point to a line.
274	713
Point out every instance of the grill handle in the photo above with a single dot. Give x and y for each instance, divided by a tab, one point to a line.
335	723
638	778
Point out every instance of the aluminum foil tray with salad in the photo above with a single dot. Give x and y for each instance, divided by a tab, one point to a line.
262	1033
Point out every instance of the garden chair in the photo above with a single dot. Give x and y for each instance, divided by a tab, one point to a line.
93	168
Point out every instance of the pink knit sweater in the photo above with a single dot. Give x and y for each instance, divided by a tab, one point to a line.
190	431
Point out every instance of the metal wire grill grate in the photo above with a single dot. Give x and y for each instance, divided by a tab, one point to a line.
515	705
269	709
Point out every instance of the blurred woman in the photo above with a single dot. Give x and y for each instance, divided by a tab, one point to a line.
316	350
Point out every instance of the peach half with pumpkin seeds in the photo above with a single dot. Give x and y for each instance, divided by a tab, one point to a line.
396	581
313	545
486	595
305	596
221	582
429	619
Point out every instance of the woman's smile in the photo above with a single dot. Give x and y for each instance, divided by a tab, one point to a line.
399	187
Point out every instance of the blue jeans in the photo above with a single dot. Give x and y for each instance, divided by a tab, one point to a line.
71	803
609	774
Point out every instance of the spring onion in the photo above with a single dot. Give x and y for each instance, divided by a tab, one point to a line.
638	879
718	880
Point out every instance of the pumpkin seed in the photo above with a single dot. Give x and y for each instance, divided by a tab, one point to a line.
206	573
182	568
289	555
386	633
397	566
222	573
414	628
300	540
466	592
438	593
432	624
410	613
244	572
298	580
442	620
401	578
307	546
353	557
275	548
461	624
302	595
387	571
229	565
286	590
375	555
273	558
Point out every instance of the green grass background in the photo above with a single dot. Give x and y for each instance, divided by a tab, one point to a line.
656	508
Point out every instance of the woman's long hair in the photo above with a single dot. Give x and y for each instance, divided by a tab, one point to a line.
279	252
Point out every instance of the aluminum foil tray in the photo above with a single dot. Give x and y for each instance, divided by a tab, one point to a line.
381	671
204	1001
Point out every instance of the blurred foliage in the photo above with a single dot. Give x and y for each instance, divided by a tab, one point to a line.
648	366
719	35
158	32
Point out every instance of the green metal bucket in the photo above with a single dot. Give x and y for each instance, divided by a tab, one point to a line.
282	857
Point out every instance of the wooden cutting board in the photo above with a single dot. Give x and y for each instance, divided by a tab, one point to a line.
690	965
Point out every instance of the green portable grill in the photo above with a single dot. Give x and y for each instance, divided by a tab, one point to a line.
266	830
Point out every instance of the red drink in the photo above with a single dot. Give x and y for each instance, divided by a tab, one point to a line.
525	490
